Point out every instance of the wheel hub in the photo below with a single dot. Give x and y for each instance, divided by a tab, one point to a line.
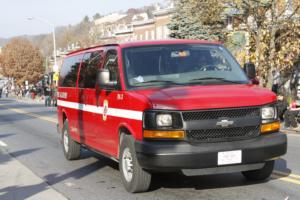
127	165
66	141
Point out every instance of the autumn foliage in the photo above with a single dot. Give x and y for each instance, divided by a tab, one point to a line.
22	61
272	28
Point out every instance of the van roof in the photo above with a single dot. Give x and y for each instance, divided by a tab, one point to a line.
147	43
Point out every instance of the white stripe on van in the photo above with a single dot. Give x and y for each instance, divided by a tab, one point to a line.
114	112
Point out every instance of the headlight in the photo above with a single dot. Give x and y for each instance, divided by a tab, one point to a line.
268	113
164	120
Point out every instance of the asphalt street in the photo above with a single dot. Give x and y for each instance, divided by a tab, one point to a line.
28	134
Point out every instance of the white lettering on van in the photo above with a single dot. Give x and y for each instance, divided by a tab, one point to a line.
62	95
120	96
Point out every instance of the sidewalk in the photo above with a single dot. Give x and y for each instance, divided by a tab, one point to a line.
19	183
293	131
29	100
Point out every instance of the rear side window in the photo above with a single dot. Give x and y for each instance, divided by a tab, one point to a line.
88	72
68	74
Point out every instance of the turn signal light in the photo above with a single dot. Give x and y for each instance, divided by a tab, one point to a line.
271	127
164	134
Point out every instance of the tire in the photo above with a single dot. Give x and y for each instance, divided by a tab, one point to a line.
138	180
70	147
260	174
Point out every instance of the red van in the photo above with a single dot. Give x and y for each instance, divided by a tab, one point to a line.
168	106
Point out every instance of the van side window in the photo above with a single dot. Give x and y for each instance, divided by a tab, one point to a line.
68	74
111	63
88	72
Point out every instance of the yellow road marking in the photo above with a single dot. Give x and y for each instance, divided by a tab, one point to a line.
286	174
285	179
49	119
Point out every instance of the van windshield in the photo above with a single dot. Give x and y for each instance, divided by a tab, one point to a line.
165	65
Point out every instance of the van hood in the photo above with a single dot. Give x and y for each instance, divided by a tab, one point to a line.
207	97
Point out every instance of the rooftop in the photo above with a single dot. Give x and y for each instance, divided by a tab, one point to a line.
110	18
148	43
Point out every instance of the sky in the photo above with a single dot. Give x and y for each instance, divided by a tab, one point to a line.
14	14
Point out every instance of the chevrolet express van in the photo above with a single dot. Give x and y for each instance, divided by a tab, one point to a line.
168	106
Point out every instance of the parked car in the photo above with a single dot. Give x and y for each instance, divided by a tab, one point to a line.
168	106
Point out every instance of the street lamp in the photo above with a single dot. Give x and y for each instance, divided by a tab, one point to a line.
53	34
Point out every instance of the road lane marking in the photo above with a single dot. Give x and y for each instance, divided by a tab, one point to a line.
2	144
49	119
294	135
286	174
282	178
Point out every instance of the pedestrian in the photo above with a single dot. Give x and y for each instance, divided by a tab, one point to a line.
1	91
290	117
276	81
20	95
47	94
5	91
54	96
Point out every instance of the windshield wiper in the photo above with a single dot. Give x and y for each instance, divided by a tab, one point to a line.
160	81
216	78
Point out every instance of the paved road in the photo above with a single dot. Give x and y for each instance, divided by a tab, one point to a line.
29	133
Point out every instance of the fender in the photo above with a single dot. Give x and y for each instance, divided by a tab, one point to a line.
132	131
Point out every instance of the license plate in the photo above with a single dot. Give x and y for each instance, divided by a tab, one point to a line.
229	157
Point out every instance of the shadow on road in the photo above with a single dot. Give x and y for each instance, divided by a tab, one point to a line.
170	180
17	154
21	192
5	135
24	192
6	157
281	165
15	117
53	179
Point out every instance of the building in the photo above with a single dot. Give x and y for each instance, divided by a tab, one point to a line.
134	26
105	27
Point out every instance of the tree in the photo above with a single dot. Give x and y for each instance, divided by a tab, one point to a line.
21	61
197	19
273	26
86	19
96	16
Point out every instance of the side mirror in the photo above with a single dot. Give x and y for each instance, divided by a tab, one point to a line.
255	81
103	79
250	71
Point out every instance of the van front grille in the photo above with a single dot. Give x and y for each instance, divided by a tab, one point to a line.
223	134
223	113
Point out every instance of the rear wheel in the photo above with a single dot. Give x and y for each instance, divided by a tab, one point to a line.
260	174
70	147
134	178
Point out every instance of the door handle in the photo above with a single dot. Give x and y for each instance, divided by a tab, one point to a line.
83	99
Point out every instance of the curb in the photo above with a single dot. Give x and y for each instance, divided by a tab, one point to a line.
26	100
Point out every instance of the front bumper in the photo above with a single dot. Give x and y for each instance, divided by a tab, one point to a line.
178	155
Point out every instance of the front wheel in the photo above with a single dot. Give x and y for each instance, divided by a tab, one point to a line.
260	174
134	178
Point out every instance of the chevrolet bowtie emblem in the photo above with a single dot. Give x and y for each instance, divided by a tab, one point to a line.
225	123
